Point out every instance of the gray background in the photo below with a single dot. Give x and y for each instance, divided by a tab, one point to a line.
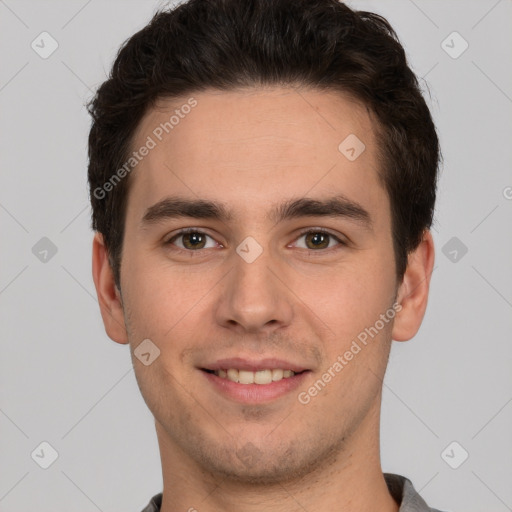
63	381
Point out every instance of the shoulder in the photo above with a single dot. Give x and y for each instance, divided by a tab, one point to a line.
154	504
404	493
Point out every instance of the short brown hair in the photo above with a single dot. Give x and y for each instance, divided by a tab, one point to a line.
231	44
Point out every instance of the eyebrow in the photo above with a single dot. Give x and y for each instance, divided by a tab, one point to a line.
334	207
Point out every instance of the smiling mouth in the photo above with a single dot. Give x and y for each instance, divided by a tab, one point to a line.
262	377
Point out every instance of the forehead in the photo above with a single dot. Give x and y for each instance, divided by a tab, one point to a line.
250	147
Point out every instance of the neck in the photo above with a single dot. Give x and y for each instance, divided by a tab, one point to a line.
352	480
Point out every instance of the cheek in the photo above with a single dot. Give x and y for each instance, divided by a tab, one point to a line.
351	306
352	296
159	295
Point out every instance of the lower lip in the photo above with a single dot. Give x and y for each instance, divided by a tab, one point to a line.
255	393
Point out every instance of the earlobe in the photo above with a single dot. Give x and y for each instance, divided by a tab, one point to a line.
414	289
109	297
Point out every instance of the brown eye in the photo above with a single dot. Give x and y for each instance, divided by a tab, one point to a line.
192	240
319	239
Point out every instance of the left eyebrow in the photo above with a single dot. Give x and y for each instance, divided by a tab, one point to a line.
335	207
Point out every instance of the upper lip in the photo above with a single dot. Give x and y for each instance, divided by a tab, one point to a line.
253	365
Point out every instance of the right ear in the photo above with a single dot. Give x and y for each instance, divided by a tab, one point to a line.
109	297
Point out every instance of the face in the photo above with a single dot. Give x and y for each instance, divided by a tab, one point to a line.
288	269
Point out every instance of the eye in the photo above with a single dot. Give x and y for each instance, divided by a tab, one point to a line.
192	239
316	239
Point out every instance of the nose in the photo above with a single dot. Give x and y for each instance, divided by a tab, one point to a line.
254	297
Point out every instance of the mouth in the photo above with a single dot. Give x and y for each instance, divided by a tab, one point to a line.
261	377
254	382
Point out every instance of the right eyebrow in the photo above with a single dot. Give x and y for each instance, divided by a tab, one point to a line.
176	207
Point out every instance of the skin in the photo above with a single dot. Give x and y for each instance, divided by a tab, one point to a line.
251	149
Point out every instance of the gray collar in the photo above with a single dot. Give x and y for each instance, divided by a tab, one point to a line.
400	488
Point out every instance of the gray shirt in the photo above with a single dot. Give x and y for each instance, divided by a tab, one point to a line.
400	488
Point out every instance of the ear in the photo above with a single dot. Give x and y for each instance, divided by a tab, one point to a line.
413	291
109	297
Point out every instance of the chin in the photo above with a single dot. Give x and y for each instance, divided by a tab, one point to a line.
264	474
266	465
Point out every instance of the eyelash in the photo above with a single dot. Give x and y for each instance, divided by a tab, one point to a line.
187	231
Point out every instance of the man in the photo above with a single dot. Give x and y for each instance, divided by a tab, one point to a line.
263	178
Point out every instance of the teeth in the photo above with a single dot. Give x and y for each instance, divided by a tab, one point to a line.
277	374
258	377
231	375
245	377
263	377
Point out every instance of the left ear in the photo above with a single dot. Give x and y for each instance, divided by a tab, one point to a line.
413	291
